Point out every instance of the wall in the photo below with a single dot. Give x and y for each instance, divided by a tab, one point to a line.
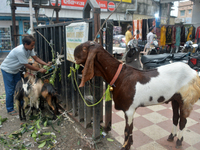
185	6
196	14
6	23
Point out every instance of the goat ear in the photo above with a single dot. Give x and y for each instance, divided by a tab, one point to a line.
88	71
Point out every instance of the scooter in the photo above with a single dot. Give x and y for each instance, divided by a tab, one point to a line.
151	61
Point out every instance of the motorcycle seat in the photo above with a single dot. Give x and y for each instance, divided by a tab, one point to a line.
178	56
155	58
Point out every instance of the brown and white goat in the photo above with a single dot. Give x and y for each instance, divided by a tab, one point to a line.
134	88
34	92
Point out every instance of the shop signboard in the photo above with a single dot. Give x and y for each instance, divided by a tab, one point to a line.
124	1
76	33
79	4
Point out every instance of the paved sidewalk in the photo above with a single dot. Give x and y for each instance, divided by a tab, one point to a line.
153	125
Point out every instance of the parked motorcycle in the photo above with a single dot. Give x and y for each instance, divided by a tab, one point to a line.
194	60
151	61
133	54
189	47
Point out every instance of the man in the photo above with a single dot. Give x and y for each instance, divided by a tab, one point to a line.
11	65
128	35
150	37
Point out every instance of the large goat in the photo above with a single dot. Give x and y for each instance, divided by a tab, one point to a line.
133	88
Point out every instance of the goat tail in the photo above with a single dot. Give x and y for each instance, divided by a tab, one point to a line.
190	95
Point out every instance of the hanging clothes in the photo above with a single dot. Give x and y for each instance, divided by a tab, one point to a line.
134	28
169	35
182	35
151	22
163	36
140	29
158	33
173	34
197	36
178	34
144	29
186	33
191	33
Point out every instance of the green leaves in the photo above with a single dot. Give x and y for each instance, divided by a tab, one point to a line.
2	120
42	144
110	140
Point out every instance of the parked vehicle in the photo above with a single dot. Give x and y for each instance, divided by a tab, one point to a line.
189	47
133	54
155	49
151	61
119	41
194	60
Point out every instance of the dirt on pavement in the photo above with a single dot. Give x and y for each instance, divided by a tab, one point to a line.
69	135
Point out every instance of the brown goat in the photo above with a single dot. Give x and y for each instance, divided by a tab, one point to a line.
134	88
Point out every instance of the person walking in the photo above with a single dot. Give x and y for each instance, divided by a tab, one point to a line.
128	35
150	37
11	65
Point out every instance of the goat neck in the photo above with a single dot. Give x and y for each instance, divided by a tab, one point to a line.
96	60
106	66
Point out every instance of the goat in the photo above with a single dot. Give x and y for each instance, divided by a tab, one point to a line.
50	95
21	97
133	88
35	92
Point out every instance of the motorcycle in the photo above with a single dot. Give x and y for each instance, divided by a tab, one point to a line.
132	58
189	47
194	60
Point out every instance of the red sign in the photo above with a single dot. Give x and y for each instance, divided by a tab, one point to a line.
53	2
79	4
111	6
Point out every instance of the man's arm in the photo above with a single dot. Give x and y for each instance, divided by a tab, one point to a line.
42	70
40	61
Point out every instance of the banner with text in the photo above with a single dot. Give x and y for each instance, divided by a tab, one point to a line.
79	4
76	33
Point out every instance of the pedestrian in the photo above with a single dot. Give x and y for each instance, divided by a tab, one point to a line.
11	65
128	35
150	37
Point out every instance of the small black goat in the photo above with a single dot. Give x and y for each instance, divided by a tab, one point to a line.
49	94
21	97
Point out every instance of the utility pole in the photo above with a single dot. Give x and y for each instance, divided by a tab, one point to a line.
31	16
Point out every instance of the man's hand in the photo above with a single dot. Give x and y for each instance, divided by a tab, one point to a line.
42	70
49	63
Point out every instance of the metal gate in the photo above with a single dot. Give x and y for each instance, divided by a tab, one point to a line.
88	117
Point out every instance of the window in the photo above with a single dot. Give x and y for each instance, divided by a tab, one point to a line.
189	11
182	12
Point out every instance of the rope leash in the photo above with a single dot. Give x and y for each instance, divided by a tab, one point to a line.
107	93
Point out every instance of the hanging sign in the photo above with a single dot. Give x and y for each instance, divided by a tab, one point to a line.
111	6
76	33
53	2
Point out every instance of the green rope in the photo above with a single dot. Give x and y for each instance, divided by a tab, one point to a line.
107	93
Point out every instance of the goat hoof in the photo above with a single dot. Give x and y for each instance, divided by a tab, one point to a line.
179	143
171	137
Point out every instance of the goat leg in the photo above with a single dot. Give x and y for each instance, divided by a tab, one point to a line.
20	108
24	116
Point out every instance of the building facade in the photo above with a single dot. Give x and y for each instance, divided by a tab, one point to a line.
185	10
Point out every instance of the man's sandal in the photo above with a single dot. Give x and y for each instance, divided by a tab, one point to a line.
13	113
